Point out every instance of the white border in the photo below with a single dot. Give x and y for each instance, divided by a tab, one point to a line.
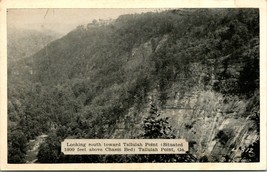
5	4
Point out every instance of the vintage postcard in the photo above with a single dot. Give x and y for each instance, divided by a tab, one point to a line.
133	85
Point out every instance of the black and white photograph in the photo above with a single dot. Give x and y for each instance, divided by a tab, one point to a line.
134	73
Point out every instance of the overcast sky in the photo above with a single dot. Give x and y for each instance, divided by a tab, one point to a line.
62	20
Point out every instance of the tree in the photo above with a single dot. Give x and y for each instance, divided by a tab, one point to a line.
17	147
155	126
252	152
50	150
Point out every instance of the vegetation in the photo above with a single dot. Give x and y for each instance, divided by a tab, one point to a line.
24	43
80	85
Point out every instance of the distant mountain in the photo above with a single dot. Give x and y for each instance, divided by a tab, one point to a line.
23	43
197	67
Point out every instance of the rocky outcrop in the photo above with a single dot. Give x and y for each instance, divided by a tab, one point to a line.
217	126
215	129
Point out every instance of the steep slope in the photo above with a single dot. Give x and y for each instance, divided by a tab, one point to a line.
199	66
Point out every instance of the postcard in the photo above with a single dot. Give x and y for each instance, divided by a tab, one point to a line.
133	85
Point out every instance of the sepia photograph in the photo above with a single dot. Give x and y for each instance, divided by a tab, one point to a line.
168	85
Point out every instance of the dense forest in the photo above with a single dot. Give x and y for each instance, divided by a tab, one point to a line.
121	73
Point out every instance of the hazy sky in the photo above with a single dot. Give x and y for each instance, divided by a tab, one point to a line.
62	20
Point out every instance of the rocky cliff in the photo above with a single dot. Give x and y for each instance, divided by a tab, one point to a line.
217	126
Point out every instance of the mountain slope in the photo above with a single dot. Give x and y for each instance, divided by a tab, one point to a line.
24	43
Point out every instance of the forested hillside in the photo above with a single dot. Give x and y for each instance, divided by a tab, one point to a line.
197	69
23	43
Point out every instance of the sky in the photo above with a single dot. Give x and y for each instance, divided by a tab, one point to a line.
62	20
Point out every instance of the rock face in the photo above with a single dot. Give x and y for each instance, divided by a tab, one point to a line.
217	129
217	126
